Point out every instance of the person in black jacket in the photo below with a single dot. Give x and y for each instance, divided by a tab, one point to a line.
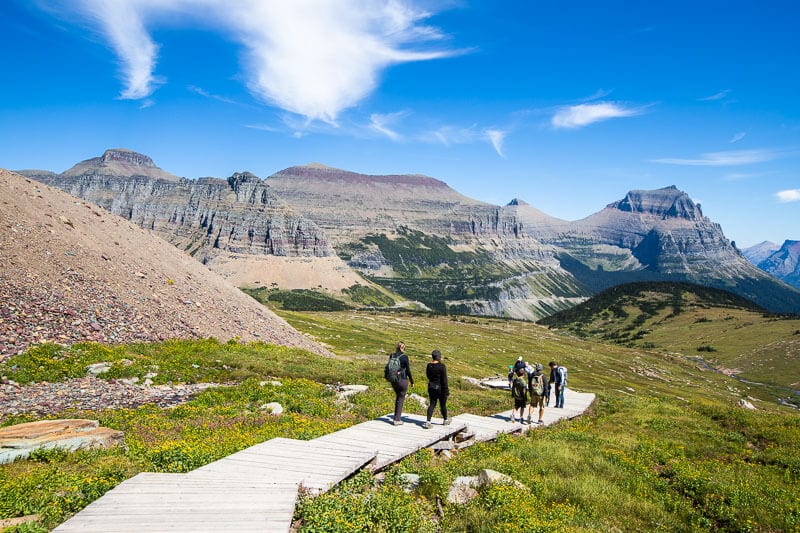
401	386
438	390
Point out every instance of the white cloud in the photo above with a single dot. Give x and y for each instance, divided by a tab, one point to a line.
123	25
724	159
202	92
738	137
717	96
452	135
382	123
791	195
577	116
314	58
496	138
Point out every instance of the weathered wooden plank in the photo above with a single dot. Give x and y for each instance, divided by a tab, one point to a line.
176	502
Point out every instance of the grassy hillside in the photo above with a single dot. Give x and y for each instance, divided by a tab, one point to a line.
720	328
663	448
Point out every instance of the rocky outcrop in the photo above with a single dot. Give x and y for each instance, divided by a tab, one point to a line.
19	441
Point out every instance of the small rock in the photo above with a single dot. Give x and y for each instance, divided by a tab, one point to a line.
419	399
745	404
98	368
490	477
273	407
148	382
409	481
349	390
462	491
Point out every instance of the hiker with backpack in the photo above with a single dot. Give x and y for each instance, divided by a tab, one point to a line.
438	390
519	392
398	373
538	388
558	377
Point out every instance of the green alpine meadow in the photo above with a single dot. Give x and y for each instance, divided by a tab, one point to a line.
665	446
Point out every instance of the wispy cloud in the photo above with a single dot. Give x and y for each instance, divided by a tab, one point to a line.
496	138
206	94
577	116
724	159
123	25
790	195
738	137
740	176
314	58
717	96
452	135
383	123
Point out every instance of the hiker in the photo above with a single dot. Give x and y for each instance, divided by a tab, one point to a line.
519	364
519	391
438	389
538	388
510	375
401	379
558	377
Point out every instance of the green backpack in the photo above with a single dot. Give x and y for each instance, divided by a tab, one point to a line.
537	384
393	371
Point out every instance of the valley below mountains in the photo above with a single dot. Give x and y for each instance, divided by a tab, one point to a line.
417	239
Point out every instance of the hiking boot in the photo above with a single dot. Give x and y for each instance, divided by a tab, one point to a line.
427	425
398	422
446	422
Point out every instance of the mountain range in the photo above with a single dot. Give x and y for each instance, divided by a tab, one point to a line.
782	261
318	227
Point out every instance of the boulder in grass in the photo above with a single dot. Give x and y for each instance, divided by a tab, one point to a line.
19	441
490	477
462	490
273	407
744	404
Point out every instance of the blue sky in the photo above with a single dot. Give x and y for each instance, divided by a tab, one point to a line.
567	105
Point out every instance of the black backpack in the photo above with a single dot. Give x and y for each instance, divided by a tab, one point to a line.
393	371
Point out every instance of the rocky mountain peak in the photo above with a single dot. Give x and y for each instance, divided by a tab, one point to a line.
239	178
128	157
669	202
120	162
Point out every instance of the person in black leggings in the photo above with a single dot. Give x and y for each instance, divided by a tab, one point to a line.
401	386
437	387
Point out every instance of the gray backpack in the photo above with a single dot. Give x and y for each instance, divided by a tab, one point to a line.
393	371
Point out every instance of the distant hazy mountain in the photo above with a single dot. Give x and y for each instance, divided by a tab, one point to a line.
422	239
758	252
782	262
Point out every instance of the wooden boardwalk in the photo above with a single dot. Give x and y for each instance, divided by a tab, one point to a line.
256	489
391	443
178	502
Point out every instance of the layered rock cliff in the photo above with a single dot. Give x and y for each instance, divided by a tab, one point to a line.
204	216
